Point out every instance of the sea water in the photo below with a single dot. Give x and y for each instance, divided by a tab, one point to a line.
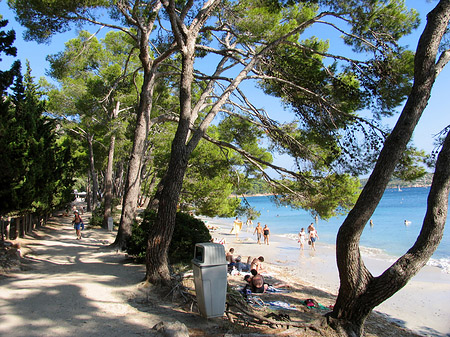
389	233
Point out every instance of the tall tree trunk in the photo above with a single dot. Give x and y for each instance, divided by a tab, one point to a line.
109	172
359	291
90	139
157	267
118	181
160	236
133	180
143	124
88	194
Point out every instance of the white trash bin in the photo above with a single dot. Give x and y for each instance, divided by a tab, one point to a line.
210	277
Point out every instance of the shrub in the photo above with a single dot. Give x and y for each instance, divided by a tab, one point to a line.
188	231
97	216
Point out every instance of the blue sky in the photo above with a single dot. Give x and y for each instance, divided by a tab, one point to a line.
435	117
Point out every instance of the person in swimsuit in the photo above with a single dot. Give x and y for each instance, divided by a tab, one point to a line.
257	264
77	224
302	238
266	232
257	283
258	231
313	237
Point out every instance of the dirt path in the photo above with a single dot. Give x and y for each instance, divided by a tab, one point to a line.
79	288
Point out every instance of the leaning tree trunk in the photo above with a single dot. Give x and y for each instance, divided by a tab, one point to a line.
88	193
133	179
161	233
109	172
89	139
359	291
160	236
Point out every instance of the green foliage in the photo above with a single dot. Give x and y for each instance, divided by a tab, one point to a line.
332	195
45	17
97	216
411	165
99	212
188	231
245	210
36	167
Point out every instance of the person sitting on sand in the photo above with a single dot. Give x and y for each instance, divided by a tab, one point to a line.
257	264
241	266
257	284
230	258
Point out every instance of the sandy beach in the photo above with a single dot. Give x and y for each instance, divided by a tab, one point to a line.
422	305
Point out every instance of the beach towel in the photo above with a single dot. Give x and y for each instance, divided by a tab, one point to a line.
312	303
272	289
281	305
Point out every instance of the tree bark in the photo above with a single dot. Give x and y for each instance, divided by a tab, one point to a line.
90	139
118	181
359	291
88	194
133	180
161	233
143	124
160	236
109	172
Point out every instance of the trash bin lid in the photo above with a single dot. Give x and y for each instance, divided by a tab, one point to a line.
209	254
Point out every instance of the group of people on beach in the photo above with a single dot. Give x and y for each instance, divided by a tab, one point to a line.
259	230
237	264
311	235
255	282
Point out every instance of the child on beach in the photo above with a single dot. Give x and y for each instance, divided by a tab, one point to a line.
302	238
77	224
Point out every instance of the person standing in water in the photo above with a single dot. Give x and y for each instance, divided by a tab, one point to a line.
302	238
313	237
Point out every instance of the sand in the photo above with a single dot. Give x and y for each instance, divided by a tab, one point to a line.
70	287
422	305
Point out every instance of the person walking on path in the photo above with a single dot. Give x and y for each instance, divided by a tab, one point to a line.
77	224
258	231
313	237
302	238
266	232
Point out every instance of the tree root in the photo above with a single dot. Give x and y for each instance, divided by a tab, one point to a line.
248	316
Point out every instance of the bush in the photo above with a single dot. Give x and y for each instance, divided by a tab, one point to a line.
99	213
97	216
188	231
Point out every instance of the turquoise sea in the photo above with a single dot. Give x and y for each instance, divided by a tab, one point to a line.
388	233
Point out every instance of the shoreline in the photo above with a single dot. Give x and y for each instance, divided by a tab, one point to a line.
421	306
